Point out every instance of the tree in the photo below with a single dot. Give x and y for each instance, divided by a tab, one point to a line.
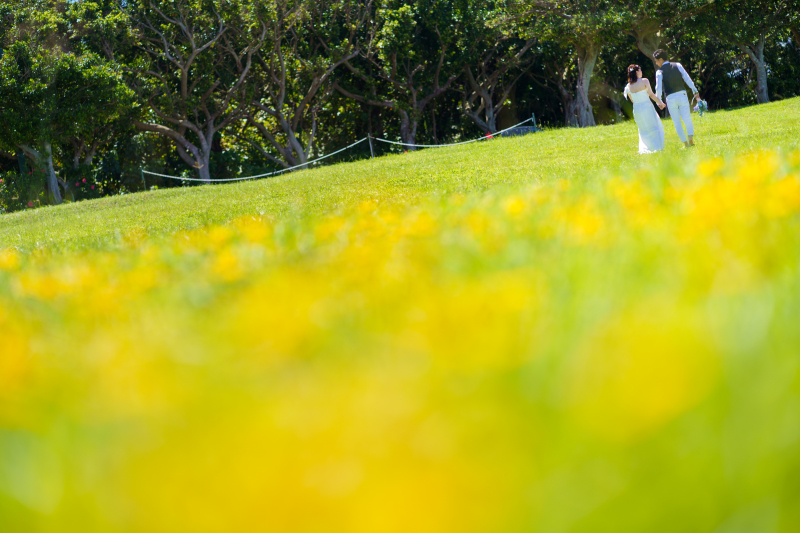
557	75
51	96
649	20
6	24
54	98
748	26
100	27
306	42
192	68
411	57
495	61
584	25
589	25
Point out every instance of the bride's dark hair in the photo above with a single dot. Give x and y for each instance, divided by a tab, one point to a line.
632	69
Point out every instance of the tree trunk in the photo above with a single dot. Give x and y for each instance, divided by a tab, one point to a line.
206	144
648	38
294	145
558	74
204	159
587	59
196	157
756	54
485	128
570	112
90	156
408	129
796	37
52	180
204	172
487	123
491	118
567	102
762	92
433	119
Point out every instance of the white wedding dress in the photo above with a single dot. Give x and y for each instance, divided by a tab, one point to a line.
651	129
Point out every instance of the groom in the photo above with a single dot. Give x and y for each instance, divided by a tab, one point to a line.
670	78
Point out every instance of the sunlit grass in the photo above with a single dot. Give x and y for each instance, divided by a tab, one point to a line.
570	154
417	344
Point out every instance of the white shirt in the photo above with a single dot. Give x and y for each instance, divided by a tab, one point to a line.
684	75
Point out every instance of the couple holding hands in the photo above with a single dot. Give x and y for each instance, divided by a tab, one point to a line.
670	79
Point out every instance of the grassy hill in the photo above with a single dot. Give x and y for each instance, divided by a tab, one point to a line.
547	333
401	180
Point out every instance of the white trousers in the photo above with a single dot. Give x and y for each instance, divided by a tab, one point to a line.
679	108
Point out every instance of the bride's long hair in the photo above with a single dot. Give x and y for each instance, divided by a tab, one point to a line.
632	69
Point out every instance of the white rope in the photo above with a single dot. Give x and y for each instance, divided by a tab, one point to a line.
339	151
454	144
188	179
259	175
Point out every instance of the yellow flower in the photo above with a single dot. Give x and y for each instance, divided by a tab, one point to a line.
782	198
329	227
640	209
15	362
638	371
9	259
38	285
478	222
420	224
514	205
710	167
458	199
477	325
583	221
252	229
226	265
367	206
218	236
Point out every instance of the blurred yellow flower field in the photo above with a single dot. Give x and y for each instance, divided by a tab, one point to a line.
616	354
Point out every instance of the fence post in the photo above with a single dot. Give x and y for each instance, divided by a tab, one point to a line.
141	171
533	118
371	153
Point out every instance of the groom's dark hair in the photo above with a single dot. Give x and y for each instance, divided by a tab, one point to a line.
661	54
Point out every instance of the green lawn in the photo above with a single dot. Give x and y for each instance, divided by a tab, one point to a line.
549	333
401	179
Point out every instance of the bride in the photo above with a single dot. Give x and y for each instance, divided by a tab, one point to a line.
651	129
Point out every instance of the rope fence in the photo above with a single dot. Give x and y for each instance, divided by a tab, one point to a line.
260	175
488	136
372	154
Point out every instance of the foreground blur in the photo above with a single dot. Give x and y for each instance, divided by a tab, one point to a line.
614	355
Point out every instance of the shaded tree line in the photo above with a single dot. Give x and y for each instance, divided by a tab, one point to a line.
91	91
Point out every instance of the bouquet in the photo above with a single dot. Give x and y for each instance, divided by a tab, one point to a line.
701	107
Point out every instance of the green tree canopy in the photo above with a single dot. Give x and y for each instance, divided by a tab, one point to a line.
49	96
